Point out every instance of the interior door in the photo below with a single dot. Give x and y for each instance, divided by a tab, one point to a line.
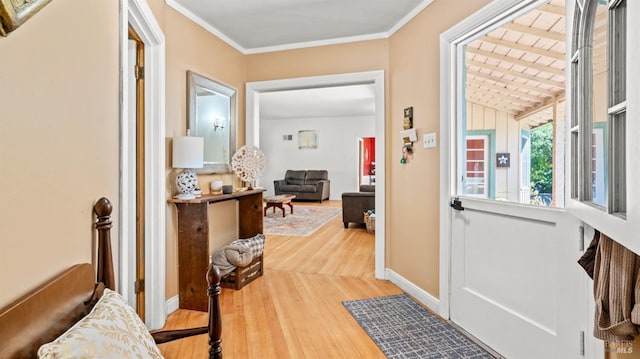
515	284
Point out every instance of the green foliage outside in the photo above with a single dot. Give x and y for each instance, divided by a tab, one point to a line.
542	158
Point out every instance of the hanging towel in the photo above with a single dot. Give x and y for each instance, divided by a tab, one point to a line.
616	286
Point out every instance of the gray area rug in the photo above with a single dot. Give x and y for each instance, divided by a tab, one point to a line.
402	328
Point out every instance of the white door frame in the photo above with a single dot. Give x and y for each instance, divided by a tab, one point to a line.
252	128
139	15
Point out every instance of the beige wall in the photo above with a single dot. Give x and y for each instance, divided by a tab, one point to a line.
414	188
59	121
317	61
409	59
190	47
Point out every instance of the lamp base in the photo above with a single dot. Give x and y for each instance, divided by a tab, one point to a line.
185	196
186	182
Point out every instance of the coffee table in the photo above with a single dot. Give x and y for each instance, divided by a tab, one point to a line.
278	202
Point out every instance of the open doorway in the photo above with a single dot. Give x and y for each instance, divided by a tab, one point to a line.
376	78
137	15
367	161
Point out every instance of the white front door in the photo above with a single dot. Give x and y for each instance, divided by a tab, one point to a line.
512	279
515	284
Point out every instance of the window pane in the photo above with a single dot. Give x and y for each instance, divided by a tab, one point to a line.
600	106
617	108
476	178
618	167
515	83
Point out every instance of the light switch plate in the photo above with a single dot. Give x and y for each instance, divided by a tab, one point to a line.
429	140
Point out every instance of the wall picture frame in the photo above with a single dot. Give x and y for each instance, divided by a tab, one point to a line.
307	139
14	13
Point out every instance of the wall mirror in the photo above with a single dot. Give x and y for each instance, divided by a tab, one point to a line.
212	115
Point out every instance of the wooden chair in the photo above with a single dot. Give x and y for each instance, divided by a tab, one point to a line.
53	307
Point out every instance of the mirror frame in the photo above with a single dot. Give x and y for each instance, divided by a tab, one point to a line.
194	80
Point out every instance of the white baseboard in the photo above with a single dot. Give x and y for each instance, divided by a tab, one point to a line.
413	290
172	305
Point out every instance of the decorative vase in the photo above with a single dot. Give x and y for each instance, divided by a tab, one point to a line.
186	183
216	186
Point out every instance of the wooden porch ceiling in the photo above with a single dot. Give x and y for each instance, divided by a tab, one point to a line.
519	68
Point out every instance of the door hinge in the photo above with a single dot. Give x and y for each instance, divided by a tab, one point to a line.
581	239
581	342
139	72
139	286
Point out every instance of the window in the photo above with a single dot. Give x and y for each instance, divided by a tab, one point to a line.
476	174
598	124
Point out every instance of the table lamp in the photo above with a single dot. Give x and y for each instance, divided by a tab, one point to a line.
188	153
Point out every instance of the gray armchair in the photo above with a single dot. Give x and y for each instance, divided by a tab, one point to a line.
311	185
354	204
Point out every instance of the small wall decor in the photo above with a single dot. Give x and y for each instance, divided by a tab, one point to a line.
14	13
307	139
503	160
406	151
408	134
407	122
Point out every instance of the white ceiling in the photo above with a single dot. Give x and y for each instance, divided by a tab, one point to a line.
253	26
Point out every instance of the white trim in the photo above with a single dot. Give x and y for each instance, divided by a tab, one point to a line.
413	290
257	50
172	304
253	90
423	5
141	18
195	18
301	45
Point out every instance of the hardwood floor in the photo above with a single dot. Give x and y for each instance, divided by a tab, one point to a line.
295	309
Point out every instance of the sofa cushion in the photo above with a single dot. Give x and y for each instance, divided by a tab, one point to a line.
295	177
290	188
308	188
314	176
111	330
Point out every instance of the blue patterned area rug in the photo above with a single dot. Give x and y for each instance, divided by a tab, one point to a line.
402	328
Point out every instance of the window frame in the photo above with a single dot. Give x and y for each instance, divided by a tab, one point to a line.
619	217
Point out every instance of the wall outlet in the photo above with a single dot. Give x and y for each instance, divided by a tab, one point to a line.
429	140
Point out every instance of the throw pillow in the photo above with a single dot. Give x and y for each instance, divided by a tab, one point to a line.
111	330
255	243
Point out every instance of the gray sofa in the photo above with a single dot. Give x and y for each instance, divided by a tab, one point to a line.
309	185
354	204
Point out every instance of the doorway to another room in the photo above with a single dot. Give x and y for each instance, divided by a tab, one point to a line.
256	91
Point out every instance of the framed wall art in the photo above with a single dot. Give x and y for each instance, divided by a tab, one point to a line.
307	139
14	13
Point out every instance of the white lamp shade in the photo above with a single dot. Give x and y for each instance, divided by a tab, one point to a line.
188	152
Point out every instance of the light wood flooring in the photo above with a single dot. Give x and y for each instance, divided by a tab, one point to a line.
295	309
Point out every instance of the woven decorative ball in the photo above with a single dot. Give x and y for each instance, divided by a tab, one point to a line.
248	163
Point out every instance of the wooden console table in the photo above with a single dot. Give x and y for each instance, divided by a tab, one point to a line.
193	240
